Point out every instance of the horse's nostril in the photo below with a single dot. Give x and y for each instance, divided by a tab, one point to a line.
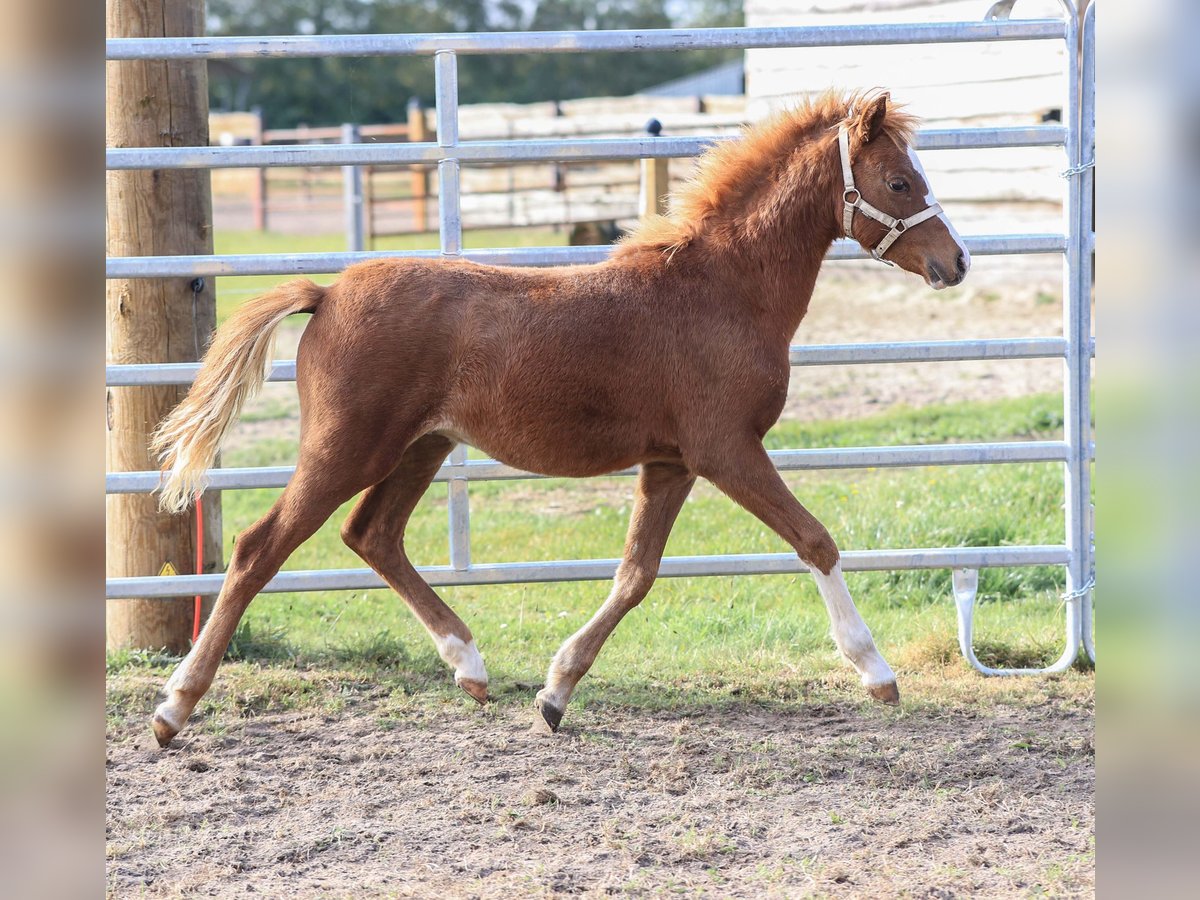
962	264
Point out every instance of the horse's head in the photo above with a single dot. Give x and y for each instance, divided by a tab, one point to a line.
887	204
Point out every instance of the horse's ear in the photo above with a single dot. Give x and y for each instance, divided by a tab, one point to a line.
868	123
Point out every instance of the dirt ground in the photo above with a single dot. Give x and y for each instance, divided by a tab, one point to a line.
816	796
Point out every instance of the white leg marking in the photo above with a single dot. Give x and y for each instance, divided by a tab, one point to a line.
170	710
558	688
173	717
464	657
180	673
850	632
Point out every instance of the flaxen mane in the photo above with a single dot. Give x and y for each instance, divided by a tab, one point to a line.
729	179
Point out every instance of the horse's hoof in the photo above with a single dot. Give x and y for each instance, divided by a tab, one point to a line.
163	730
476	689
548	719
885	693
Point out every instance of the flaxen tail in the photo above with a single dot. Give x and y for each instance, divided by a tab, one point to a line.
234	369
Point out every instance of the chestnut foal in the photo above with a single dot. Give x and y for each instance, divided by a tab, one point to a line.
673	354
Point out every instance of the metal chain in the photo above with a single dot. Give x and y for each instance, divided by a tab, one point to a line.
1079	593
1078	170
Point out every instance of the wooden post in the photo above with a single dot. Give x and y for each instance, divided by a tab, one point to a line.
368	207
418	132
149	213
258	190
652	199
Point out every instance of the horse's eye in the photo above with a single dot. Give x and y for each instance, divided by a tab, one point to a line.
898	185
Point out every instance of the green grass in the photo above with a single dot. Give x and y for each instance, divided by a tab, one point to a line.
753	636
232	291
1039	417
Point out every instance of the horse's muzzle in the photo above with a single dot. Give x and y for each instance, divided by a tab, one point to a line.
938	278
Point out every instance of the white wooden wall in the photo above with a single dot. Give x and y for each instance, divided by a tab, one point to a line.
1013	83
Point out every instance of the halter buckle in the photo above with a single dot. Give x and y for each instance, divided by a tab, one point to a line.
853	199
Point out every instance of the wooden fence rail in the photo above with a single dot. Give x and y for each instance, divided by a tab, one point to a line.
1016	186
396	199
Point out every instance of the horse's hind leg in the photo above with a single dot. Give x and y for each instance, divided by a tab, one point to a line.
313	494
746	474
661	490
375	531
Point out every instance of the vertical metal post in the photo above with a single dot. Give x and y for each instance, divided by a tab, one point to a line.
1077	330
460	512
352	198
450	230
449	214
1086	179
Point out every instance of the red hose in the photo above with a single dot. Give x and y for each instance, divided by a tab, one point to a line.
199	565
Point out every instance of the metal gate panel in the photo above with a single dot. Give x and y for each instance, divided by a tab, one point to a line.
448	154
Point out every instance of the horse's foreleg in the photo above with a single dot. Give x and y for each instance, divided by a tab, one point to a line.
258	554
661	490
750	479
375	531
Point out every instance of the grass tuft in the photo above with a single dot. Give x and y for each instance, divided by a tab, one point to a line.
252	641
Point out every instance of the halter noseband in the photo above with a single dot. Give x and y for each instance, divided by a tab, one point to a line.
898	226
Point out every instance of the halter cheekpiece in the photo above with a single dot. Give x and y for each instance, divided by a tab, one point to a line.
852	199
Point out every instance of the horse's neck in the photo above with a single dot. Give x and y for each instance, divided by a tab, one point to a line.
778	256
793	291
778	272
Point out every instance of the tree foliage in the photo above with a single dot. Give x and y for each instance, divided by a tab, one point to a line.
365	90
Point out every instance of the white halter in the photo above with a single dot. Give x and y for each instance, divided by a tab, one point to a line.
897	226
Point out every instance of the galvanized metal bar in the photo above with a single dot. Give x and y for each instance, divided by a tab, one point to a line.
459	506
449	208
524	151
450	235
325	263
603	570
966	595
449	200
1077	331
232	478
352	194
785	461
141	374
990	138
445	73
310	46
475	152
1084	275
928	351
900	456
801	355
929	455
